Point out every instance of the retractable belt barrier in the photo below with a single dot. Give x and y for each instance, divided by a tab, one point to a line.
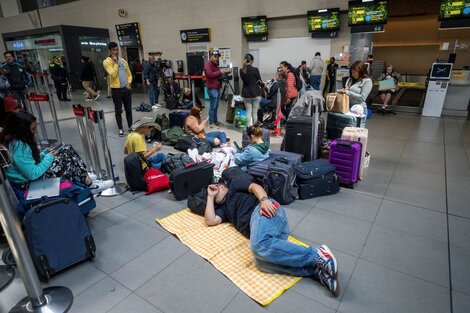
51	299
86	119
41	96
191	79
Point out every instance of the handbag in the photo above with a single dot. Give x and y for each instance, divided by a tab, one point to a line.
10	103
156	181
387	84
337	102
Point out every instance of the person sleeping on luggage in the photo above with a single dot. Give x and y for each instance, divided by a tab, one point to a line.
247	207
135	142
194	125
30	163
256	151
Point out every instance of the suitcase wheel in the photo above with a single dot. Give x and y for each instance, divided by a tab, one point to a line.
7	257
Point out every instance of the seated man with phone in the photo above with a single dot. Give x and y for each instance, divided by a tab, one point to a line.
247	207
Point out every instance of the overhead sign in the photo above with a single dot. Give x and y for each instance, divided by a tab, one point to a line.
129	34
40	42
195	35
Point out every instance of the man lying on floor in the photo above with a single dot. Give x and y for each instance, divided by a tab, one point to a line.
247	206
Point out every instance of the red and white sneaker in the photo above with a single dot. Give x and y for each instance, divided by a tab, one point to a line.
327	261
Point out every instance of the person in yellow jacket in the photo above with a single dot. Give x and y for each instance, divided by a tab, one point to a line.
120	78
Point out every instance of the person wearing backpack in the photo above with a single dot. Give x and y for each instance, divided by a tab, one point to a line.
17	77
292	90
256	151
316	70
135	142
263	221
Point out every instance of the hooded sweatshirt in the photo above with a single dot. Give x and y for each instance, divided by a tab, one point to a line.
252	154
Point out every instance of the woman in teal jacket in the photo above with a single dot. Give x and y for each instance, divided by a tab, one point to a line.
256	151
30	164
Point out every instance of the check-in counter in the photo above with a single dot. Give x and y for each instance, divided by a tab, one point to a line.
457	101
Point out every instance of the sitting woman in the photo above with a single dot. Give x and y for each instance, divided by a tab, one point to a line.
187	101
389	73
29	164
194	125
256	151
135	142
172	93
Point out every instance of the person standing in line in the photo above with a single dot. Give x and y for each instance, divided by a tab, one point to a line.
213	77
120	81
290	85
331	75
17	77
59	76
151	79
316	70
358	85
87	76
251	91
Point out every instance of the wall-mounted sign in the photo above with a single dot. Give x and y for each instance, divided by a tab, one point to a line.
224	60
195	35
39	42
129	34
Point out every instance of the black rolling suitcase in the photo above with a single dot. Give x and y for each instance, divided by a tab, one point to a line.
304	134
336	122
58	236
316	178
190	179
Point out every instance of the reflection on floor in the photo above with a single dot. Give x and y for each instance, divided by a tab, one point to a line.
390	234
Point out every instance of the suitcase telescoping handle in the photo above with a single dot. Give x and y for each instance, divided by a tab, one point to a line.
46	204
343	143
283	160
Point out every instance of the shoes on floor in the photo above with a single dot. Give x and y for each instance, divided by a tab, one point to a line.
154	107
327	261
96	97
328	281
219	124
85	93
212	125
93	176
89	99
121	133
99	185
157	104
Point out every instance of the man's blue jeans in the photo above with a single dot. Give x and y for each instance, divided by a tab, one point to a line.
157	159
214	97
315	81
273	253
216	134
154	93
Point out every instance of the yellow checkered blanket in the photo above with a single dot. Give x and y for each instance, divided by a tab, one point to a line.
229	251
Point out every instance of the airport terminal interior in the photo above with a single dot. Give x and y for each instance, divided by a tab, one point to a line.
400	234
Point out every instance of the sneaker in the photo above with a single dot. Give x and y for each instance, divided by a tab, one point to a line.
92	176
154	107
327	261
121	133
329	282
96	97
99	185
219	124
212	125
85	93
89	99
157	104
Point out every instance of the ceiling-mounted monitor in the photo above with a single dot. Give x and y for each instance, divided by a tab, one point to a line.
324	20
372	12
454	10
255	25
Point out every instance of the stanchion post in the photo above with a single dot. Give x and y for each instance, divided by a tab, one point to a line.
52	299
91	120
42	126
55	120
79	113
118	188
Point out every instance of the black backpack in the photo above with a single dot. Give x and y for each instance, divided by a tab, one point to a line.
279	181
175	161
134	173
197	201
234	173
191	142
16	77
298	82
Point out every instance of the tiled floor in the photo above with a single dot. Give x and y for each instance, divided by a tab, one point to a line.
389	234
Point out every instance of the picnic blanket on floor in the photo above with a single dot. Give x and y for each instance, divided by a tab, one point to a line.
228	251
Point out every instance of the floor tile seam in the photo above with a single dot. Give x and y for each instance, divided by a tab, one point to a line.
347	285
297	225
357	191
404	273
412	204
92	285
230	301
459	216
342	214
140	211
164	268
412	234
113	207
314	300
138	255
447	221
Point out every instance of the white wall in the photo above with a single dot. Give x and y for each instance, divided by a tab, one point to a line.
292	50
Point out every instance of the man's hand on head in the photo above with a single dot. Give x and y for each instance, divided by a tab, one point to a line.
212	190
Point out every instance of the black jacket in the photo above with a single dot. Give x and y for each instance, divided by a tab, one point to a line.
87	72
249	77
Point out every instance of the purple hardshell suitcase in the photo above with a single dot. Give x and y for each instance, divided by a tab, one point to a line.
346	156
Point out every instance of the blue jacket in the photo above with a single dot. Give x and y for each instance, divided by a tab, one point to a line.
150	72
251	154
24	167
